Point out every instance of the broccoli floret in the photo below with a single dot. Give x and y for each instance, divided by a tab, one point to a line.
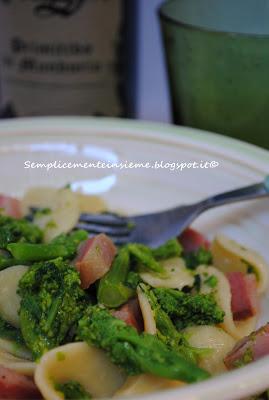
186	309
72	390
167	332
172	248
143	256
211	281
18	230
133	352
199	257
71	241
149	258
52	302
116	287
133	279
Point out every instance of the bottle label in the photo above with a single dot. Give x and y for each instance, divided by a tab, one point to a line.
60	57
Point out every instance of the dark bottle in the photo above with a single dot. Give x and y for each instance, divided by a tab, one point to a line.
63	57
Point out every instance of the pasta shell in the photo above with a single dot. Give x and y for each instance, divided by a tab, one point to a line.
78	362
9	299
17	364
64	214
229	255
216	339
43	197
38	196
14	349
91	204
223	296
146	383
176	275
147	313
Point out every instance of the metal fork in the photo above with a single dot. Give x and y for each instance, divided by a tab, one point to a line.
155	228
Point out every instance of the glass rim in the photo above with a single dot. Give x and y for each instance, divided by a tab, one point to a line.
163	15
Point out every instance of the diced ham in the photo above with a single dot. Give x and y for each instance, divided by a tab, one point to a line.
244	295
11	206
130	313
16	386
94	259
249	349
192	240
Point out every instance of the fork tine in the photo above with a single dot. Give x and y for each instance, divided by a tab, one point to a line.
120	241
103	219
109	230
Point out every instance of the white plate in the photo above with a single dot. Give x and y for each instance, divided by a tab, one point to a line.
73	139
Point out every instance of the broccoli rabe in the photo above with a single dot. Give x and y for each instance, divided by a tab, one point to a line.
186	309
52	302
72	390
172	248
18	230
6	262
64	246
167	332
133	352
71	240
211	281
133	279
112	291
115	288
199	257
8	332
143	256
149	258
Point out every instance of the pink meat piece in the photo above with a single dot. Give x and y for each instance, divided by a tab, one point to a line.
249	349
245	301
16	386
130	313
191	240
94	259
11	206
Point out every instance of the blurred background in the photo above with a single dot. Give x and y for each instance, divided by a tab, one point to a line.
203	64
146	91
152	86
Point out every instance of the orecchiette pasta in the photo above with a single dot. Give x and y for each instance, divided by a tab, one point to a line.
17	364
9	299
229	255
14	349
91	204
223	296
216	340
176	275
186	337
146	383
65	205
43	197
79	362
147	313
64	214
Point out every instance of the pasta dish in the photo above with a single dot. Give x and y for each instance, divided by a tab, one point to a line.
81	318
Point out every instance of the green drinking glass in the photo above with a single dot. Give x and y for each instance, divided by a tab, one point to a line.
217	54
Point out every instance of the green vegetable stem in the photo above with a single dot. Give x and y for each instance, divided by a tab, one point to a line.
112	291
135	353
64	246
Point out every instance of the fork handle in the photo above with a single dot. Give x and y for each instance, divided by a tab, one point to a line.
246	193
